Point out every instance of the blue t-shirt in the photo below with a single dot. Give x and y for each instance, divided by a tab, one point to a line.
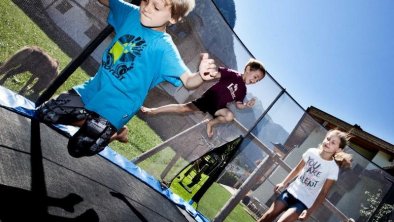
137	60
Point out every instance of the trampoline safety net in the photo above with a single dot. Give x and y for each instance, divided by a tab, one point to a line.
40	38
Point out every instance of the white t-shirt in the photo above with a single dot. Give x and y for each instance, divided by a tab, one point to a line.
316	171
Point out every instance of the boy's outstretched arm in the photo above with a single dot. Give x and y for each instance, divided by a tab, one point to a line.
247	104
207	71
104	2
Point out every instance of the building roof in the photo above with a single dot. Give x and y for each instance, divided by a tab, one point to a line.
360	137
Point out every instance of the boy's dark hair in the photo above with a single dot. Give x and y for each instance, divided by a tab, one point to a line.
181	8
255	65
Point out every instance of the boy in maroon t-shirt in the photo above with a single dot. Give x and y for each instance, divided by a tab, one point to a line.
231	87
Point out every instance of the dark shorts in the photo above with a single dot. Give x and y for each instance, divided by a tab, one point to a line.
206	104
291	202
68	108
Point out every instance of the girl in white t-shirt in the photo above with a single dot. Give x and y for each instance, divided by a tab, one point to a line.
308	183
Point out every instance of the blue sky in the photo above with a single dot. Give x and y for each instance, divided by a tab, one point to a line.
335	55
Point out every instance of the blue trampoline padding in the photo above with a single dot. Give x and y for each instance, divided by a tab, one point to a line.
19	103
151	181
26	107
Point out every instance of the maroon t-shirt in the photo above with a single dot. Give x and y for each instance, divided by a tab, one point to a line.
230	87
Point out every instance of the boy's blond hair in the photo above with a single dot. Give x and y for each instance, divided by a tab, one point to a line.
181	8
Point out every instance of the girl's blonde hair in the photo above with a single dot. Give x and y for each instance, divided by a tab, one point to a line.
344	160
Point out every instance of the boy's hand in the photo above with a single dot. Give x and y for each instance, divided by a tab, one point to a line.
250	103
207	68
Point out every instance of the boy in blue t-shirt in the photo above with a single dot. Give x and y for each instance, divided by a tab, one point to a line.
140	56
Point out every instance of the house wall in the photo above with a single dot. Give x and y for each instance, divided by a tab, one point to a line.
382	159
80	20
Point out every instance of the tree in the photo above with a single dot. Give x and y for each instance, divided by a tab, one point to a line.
373	201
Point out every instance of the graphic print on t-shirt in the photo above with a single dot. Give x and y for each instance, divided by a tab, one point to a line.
120	57
311	176
232	88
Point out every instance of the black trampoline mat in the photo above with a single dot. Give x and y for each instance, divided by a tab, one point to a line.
40	180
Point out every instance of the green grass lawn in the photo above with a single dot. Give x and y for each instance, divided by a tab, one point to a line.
212	201
215	198
17	30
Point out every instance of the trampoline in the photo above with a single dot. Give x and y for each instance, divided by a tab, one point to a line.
40	180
